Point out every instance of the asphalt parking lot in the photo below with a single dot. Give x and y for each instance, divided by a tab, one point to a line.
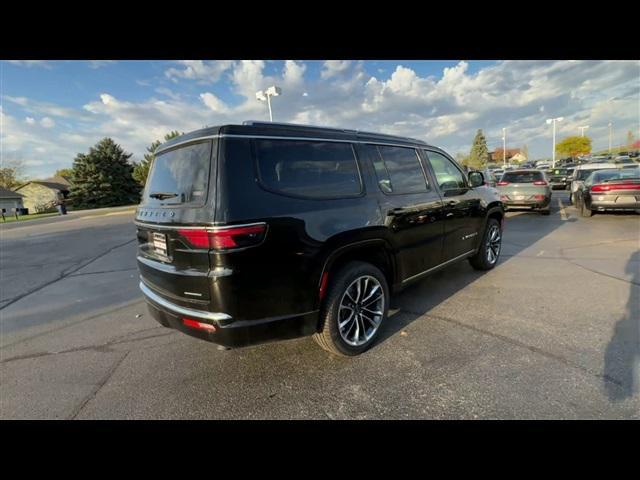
552	332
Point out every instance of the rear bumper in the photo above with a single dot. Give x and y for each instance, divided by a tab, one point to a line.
229	332
527	203
611	204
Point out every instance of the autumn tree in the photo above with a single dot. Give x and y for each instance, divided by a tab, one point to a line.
12	174
64	172
574	146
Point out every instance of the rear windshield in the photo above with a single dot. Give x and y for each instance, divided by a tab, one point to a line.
609	175
309	169
180	176
583	174
522	177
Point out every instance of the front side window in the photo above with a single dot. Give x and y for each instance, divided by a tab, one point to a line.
308	169
399	171
448	176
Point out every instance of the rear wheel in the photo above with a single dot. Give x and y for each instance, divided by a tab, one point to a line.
487	255
355	308
545	211
571	199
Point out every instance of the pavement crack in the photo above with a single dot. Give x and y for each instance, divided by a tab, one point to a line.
103	271
518	343
600	273
101	348
101	384
66	273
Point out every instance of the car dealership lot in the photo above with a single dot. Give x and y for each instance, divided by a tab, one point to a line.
552	332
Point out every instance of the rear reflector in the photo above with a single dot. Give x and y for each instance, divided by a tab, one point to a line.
323	284
540	182
224	238
207	327
502	184
615	186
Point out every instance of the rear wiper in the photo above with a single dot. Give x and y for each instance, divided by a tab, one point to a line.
162	195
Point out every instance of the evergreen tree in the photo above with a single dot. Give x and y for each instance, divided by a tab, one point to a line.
141	170
479	156
102	177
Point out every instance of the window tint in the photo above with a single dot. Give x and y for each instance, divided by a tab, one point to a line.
447	174
180	176
398	170
522	177
308	169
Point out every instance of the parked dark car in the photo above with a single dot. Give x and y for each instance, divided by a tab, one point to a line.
257	232
559	178
611	189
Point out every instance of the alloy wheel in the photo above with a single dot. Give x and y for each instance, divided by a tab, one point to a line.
494	239
361	310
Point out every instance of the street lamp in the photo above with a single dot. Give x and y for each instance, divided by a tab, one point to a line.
610	135
265	96
582	129
550	121
504	147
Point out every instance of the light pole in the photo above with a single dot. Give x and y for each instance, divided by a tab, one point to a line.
582	129
553	121
265	96
610	135
504	147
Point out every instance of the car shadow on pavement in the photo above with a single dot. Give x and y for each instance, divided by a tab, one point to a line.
520	232
622	356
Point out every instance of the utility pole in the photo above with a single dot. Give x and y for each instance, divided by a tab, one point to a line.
553	121
582	129
610	135
504	147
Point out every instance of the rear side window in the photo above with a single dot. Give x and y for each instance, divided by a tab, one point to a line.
308	169
180	176
522	177
399	171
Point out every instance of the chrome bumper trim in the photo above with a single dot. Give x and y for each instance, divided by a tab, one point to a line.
211	316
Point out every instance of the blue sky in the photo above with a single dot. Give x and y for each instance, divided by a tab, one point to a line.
52	110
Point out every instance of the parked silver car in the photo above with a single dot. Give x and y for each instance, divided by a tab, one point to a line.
525	188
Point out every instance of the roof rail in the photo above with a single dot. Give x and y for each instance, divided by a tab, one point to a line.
335	129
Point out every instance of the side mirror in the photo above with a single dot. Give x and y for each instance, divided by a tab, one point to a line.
476	179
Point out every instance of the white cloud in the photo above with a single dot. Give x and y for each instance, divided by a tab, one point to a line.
46	122
30	120
213	102
95	64
331	68
200	70
31	63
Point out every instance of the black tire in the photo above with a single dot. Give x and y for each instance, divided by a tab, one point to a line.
545	211
330	337
584	211
571	199
481	260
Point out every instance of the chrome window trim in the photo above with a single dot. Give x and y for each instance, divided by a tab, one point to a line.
211	316
161	149
438	266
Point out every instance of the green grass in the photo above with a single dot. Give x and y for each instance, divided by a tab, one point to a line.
23	218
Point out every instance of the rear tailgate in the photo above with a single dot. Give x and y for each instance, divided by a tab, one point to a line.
179	195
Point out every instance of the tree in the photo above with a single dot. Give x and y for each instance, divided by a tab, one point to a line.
479	155
574	146
64	172
141	170
102	177
11	175
630	140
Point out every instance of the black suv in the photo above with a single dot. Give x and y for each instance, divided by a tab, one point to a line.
265	231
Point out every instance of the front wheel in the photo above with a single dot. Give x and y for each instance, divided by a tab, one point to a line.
487	255
584	210
355	308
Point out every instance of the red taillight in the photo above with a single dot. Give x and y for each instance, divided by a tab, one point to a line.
538	197
615	186
540	182
207	327
502	184
224	238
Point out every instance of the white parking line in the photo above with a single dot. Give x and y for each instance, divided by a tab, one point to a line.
563	214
